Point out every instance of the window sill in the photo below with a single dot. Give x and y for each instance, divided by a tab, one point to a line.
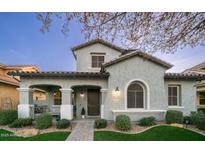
175	107
94	68
136	110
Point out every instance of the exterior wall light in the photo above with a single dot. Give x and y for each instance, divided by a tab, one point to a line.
117	92
82	94
117	89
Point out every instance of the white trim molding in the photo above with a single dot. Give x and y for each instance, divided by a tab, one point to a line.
146	93
175	107
136	111
103	90
25	89
66	89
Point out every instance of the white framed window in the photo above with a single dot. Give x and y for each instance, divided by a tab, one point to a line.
97	61
135	96
174	98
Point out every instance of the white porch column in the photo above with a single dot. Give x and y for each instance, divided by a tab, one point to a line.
102	107
26	106
66	109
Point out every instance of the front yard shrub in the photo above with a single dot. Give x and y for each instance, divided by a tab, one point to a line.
21	122
173	116
200	124
100	123
194	117
63	124
8	116
147	121
186	119
201	110
43	121
123	123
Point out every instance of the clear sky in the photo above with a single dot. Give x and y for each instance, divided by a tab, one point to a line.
21	42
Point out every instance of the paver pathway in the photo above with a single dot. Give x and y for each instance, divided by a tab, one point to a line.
83	131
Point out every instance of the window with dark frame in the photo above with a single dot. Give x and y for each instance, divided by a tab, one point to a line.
202	98
174	95
97	61
135	96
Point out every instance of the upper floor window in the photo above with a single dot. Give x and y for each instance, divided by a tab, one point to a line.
174	95
97	61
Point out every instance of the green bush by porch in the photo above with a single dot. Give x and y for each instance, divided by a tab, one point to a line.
147	121
173	116
100	123
123	122
158	133
63	123
43	121
7	116
21	122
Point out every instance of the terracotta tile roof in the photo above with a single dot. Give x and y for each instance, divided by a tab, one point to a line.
9	80
103	75
140	54
184	76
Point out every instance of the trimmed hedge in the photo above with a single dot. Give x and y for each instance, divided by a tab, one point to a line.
123	123
21	122
187	118
147	121
201	110
63	124
200	124
8	116
173	116
194	116
100	123
43	121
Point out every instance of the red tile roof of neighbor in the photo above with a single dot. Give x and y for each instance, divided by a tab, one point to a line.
9	80
17	67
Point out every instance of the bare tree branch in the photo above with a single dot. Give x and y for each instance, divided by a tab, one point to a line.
151	32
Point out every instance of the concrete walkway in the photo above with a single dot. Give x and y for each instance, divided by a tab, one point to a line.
83	131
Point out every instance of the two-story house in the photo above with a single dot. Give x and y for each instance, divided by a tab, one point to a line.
110	80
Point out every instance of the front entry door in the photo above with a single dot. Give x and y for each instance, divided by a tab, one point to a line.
93	102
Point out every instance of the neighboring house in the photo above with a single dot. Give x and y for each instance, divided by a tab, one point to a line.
109	81
9	95
199	69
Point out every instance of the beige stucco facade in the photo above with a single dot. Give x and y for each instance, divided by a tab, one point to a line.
9	96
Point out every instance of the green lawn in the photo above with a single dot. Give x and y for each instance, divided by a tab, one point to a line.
158	133
54	136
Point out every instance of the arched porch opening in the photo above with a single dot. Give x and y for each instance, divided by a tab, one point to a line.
46	98
87	97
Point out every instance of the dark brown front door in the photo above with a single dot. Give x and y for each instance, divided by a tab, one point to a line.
93	102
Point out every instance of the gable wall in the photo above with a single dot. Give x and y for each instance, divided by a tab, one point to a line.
135	68
84	57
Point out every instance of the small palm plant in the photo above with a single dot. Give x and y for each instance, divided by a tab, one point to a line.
83	113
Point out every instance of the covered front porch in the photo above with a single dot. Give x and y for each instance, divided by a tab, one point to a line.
62	94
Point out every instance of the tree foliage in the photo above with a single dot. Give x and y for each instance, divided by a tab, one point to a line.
158	31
